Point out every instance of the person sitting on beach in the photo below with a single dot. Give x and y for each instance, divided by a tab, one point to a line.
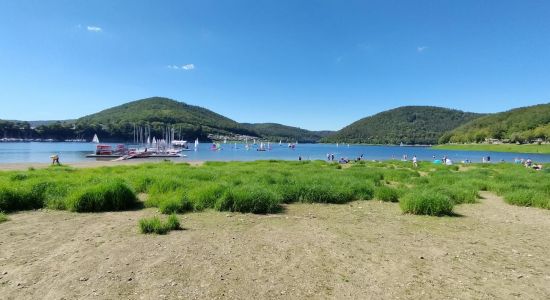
537	167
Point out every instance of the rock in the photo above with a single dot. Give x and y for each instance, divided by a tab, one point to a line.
421	257
83	279
130	279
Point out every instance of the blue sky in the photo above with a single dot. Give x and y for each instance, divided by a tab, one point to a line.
312	64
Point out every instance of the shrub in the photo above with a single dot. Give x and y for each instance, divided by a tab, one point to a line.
427	202
3	217
107	196
157	226
385	193
249	198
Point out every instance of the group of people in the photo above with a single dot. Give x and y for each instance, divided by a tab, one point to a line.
528	163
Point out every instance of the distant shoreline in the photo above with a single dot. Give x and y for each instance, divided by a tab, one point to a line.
510	148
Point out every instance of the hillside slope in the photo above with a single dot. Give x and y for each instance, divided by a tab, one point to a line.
189	121
276	132
407	124
522	124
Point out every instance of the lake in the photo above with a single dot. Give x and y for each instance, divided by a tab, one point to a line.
75	152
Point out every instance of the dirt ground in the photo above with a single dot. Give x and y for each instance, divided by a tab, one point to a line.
361	250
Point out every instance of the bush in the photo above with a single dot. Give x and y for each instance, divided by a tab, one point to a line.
3	217
107	196
427	202
249	198
155	225
387	194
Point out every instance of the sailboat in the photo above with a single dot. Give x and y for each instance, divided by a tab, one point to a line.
225	140
280	142
336	144
196	144
95	139
261	147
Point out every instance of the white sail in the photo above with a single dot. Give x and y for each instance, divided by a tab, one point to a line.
154	140
196	144
148	140
95	139
262	145
336	144
225	140
280	142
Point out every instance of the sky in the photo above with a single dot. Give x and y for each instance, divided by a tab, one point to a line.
316	64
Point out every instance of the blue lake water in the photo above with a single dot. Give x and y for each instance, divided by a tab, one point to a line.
75	152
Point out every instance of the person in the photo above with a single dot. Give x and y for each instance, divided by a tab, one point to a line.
415	163
328	156
332	157
488	159
55	159
300	157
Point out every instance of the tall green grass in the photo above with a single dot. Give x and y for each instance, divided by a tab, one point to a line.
262	186
426	202
157	226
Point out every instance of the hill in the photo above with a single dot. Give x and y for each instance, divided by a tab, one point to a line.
521	125
117	123
408	124
276	132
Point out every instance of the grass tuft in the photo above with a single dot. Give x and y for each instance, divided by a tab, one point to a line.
426	202
157	226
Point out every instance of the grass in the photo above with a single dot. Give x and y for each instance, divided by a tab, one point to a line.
3	217
264	187
529	148
158	226
427	202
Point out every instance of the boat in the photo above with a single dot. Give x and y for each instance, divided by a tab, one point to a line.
181	145
95	139
108	152
261	147
196	144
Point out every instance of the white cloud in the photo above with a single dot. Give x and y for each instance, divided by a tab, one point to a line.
421	49
93	28
188	67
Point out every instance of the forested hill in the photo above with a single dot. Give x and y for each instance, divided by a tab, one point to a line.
408	125
523	124
276	132
119	123
189	121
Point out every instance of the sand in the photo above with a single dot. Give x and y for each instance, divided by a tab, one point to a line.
361	250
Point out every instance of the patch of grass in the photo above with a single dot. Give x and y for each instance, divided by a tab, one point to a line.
426	202
157	226
528	198
107	196
3	217
249	199
176	202
387	194
20	197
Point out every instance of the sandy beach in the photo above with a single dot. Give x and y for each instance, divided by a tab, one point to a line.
361	250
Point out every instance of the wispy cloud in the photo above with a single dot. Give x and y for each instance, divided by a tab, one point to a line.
421	49
186	67
93	28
